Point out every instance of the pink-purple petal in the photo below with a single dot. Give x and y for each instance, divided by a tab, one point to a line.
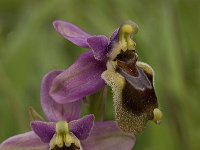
81	79
99	45
107	135
81	128
53	110
25	141
45	130
72	33
114	35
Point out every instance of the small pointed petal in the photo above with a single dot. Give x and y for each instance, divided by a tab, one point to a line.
53	110
72	33
113	39
45	130
25	141
34	115
81	128
98	44
107	135
114	35
79	80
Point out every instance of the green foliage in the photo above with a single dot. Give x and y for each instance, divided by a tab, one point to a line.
168	39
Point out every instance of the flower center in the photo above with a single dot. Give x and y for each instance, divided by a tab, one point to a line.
125	42
128	29
63	139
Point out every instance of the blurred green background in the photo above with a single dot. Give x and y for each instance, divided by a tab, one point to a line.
168	40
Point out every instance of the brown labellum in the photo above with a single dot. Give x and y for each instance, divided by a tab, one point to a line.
138	98
72	147
138	94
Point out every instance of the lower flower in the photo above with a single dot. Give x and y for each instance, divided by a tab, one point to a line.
63	135
66	131
103	136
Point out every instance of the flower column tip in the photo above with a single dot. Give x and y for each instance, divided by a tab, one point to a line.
127	29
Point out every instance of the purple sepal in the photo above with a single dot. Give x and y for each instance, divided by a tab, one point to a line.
81	128
53	110
107	135
81	79
25	141
45	130
72	33
98	44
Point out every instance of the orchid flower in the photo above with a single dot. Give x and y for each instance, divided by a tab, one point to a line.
112	61
66	131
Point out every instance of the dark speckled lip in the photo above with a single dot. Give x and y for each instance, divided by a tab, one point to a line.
138	94
72	147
